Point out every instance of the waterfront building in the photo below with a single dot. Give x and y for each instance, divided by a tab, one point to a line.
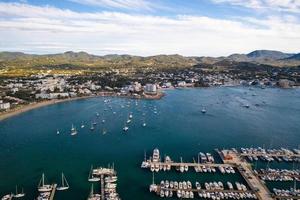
150	89
4	106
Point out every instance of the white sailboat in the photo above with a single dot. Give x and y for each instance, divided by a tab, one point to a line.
91	176
92	127
64	183
19	195
73	130
42	187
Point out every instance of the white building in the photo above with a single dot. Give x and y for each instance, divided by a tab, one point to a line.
150	89
4	106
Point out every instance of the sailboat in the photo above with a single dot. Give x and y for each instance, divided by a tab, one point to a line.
82	125
42	187
91	176
92	127
93	196
19	195
203	110
73	130
64	183
57	132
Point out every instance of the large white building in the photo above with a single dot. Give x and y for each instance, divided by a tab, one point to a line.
4	106
150	89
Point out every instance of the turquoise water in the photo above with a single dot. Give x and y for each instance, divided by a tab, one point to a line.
29	144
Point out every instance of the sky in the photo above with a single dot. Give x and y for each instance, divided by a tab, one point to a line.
150	27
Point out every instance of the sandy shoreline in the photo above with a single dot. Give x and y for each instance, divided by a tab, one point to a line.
25	108
28	107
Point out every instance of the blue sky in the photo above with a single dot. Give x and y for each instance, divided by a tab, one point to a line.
150	27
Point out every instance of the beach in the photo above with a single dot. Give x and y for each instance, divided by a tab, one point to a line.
27	107
31	106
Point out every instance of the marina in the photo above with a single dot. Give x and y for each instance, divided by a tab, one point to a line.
231	160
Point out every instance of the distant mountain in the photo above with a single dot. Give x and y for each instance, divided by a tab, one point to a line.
18	63
12	55
294	57
268	54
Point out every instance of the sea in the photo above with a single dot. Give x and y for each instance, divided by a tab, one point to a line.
235	117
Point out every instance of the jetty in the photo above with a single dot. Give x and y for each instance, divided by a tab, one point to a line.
53	191
107	178
231	157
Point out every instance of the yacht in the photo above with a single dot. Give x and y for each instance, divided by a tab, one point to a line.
144	124
64	183
57	132
155	156
42	187
19	195
130	116
73	130
82	125
203	110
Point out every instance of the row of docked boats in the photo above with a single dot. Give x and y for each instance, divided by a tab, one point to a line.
211	190
227	195
15	195
187	185
269	155
205	158
287	194
278	174
44	189
109	190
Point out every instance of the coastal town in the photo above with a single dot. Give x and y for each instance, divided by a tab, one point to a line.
19	91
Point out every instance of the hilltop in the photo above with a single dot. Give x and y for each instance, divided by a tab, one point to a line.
21	64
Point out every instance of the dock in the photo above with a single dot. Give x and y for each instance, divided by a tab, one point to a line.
107	178
246	171
193	164
53	192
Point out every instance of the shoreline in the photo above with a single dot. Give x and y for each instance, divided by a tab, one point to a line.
32	106
24	108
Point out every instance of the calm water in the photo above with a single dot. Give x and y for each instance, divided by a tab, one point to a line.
29	144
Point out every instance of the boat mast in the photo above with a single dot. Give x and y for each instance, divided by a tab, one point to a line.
152	177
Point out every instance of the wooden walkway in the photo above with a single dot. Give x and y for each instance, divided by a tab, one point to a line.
53	192
179	164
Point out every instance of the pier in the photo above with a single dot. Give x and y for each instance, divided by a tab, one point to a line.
246	171
107	178
53	192
179	164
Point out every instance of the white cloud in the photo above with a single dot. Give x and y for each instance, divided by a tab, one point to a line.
123	4
47	29
275	5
